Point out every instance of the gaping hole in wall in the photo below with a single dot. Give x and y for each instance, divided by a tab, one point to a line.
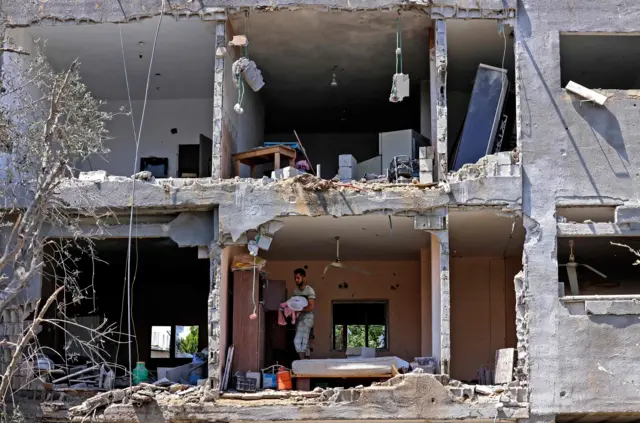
169	290
330	78
179	107
585	214
368	316
485	255
598	266
480	90
599	60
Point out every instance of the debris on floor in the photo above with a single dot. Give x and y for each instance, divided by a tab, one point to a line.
143	394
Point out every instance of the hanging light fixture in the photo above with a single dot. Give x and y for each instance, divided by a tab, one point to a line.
334	82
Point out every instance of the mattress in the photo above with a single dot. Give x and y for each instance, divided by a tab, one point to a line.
351	367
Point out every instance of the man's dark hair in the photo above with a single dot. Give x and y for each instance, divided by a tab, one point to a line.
300	271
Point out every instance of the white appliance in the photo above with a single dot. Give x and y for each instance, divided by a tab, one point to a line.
399	143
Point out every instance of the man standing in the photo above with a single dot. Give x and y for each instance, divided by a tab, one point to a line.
304	323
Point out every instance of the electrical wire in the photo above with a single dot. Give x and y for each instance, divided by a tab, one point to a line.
133	126
253	288
133	185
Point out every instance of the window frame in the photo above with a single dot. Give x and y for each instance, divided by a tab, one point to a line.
172	342
333	326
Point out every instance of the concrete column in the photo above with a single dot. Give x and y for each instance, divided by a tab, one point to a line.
218	84
214	317
433	97
440	300
425	302
438	73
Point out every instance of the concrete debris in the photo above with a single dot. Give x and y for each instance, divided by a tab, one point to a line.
501	164
586	93
93	176
507	396
137	395
485	390
249	71
145	175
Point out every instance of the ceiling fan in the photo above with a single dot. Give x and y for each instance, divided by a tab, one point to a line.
338	264
571	266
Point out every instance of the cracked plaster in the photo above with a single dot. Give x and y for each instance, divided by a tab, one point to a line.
102	11
245	204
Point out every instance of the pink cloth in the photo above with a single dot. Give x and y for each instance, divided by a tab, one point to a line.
284	311
302	165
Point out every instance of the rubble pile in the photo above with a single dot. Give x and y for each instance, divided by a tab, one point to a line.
143	394
509	395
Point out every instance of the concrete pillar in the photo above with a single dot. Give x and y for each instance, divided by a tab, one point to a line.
438	75
425	302
218	84
440	299
214	316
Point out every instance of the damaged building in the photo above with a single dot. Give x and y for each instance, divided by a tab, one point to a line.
452	178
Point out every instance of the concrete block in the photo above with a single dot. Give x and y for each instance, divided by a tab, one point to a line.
426	153
628	214
285	173
93	176
456	392
426	177
613	308
426	165
346	173
347	160
429	222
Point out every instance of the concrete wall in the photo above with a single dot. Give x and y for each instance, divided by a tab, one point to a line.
240	132
404	301
191	117
576	362
482	311
324	149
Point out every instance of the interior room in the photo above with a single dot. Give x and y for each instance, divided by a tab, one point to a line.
328	76
485	254
373	301
327	79
169	292
599	266
480	100
381	299
177	123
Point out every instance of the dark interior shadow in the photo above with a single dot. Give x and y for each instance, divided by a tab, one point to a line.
602	121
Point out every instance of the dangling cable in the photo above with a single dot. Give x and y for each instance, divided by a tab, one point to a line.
253	291
399	62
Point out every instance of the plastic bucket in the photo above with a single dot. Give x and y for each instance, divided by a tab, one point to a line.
283	377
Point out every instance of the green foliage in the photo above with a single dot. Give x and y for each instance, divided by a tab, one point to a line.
356	336
189	344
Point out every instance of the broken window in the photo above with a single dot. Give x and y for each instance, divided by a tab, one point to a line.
600	61
160	341
598	266
359	324
186	341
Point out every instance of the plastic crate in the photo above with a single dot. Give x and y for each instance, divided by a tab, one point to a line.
246	384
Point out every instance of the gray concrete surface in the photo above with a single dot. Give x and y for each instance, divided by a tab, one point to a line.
245	204
409	397
58	11
572	153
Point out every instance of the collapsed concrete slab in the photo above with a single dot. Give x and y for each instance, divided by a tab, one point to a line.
407	397
245	204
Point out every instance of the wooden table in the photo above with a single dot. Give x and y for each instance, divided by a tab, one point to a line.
262	155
